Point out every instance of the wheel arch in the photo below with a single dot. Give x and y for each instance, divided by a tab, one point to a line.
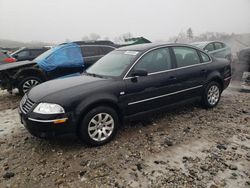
30	72
83	109
217	78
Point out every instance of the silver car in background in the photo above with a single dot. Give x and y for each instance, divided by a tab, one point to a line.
215	48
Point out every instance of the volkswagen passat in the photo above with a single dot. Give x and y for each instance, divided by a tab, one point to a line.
127	82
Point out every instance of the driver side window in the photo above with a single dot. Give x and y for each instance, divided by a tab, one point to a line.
155	61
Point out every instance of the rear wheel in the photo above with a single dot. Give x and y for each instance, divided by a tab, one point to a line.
212	94
99	126
27	83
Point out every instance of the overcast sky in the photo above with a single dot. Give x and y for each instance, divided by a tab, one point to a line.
57	20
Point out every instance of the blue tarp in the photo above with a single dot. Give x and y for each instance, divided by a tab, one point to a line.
65	55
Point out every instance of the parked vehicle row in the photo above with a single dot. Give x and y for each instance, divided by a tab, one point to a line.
63	60
5	58
127	82
28	53
215	48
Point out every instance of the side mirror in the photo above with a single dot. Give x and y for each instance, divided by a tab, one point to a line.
206	50
139	72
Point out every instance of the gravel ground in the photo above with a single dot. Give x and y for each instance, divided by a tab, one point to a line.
187	147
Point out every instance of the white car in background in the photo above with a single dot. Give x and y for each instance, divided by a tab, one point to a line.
215	48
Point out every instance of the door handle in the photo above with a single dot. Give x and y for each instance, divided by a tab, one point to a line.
203	70
171	78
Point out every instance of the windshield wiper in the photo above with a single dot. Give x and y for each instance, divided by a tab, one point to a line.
93	74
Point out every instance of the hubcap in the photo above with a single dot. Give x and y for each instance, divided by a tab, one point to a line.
213	95
101	127
29	84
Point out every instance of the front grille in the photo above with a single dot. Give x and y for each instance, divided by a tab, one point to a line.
26	104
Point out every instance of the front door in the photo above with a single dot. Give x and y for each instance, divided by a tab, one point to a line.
150	92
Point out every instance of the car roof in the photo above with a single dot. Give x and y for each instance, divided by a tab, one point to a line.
33	48
148	46
98	42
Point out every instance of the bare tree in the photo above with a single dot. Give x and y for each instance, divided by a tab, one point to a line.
94	36
85	38
122	38
67	40
190	34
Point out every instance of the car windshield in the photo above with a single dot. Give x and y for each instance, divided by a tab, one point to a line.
17	51
46	54
113	64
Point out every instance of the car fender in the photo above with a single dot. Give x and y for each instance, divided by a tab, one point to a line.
214	76
29	71
95	100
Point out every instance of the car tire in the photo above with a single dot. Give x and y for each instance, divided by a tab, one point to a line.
99	126
27	83
211	95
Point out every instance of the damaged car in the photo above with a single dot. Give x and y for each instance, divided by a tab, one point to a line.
67	59
243	67
128	82
6	58
28	53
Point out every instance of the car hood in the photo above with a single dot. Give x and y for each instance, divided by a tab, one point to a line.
62	88
7	66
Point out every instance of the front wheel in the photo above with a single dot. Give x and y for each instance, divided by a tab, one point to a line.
212	94
27	83
99	126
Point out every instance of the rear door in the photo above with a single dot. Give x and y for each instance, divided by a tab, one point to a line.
150	92
190	71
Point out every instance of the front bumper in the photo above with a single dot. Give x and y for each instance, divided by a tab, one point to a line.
41	125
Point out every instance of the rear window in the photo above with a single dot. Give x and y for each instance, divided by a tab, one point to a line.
89	51
205	58
37	52
217	45
186	56
209	47
107	50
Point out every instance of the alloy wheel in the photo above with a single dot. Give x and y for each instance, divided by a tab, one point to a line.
213	95
29	84
101	127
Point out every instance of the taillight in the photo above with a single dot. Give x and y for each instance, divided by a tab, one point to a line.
9	60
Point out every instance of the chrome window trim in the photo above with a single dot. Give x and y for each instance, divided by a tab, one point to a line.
95	45
46	121
160	96
165	46
94	56
159	72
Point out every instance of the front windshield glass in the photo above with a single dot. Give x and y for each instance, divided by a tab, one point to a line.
46	54
113	64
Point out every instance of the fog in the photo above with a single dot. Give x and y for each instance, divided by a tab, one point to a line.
58	20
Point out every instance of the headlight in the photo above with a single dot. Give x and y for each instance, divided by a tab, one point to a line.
48	108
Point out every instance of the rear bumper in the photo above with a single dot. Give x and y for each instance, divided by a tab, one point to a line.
226	82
